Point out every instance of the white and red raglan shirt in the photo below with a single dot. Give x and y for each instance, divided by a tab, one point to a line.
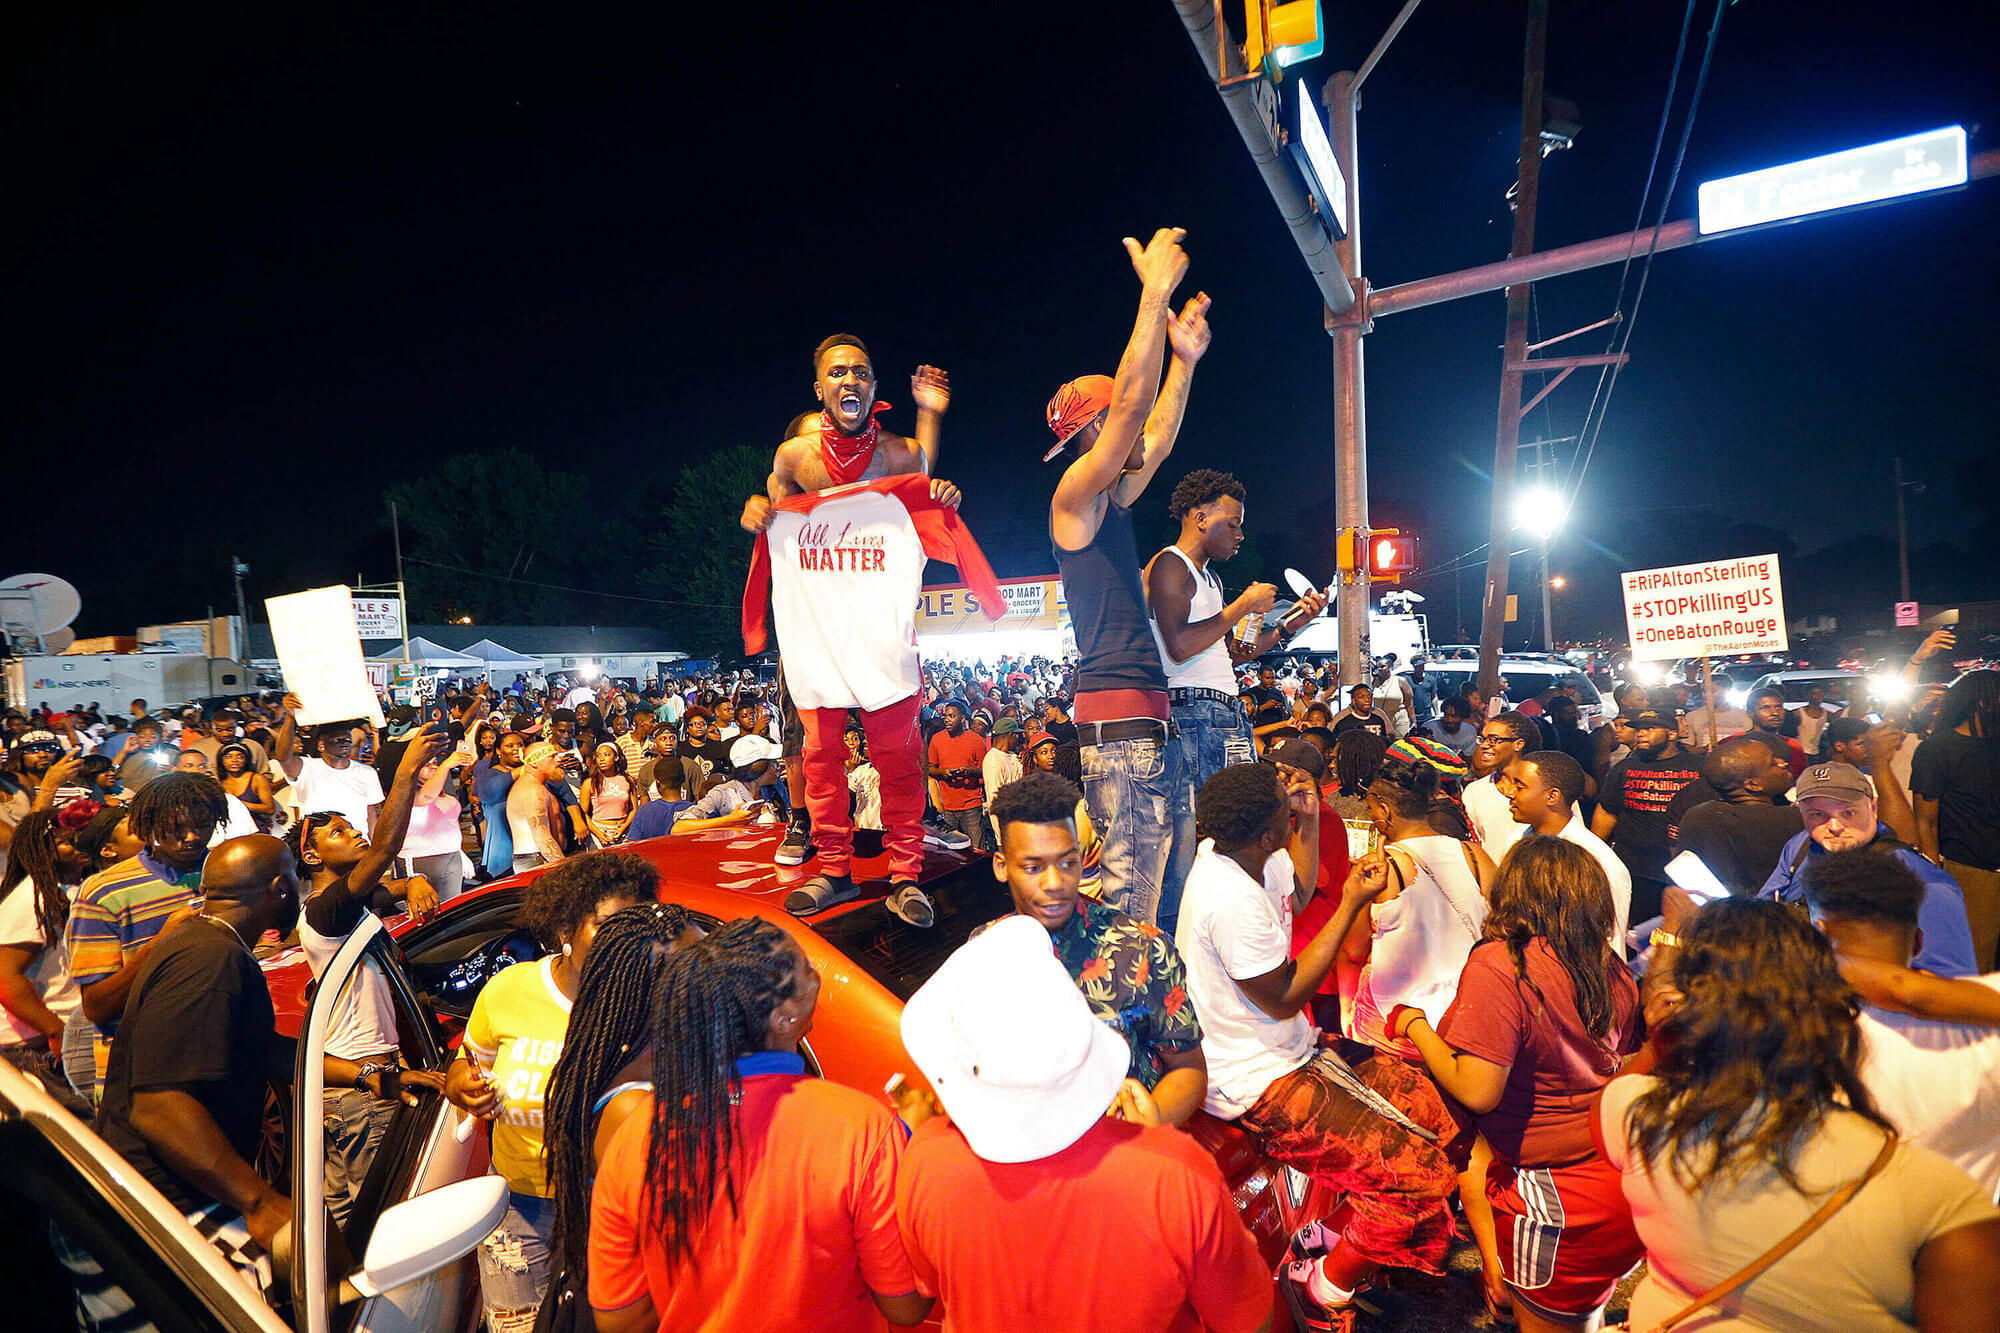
842	572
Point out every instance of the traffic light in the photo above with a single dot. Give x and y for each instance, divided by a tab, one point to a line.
1392	554
1290	32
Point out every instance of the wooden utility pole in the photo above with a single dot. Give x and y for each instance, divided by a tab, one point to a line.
1507	434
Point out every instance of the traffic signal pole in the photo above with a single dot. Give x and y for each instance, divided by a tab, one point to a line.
1507	434
1350	399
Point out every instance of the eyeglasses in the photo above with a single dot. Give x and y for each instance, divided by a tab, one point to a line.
1499	740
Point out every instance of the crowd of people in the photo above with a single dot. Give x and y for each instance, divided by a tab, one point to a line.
1714	993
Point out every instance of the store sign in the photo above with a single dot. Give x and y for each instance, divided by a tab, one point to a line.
955	609
379	617
1913	164
1710	609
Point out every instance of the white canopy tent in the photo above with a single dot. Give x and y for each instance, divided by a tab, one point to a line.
499	657
429	655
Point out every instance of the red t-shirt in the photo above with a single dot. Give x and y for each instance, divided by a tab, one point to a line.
1334	863
1128	1227
1543	1118
964	750
814	1230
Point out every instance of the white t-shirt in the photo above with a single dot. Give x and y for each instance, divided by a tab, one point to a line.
238	823
349	791
1939	1083
841	572
1492	818
997	769
1231	927
364	1017
1578	832
48	974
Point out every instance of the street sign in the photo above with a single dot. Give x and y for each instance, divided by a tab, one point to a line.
1906	615
1714	608
1313	152
378	617
1913	164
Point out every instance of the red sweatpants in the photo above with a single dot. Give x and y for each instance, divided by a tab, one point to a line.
894	748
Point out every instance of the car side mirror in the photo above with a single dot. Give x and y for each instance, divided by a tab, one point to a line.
421	1235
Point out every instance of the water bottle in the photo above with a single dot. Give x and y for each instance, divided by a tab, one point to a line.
1249	628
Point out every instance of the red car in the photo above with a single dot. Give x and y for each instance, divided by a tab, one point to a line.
869	963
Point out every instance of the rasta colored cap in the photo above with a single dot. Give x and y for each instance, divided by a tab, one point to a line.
1075	406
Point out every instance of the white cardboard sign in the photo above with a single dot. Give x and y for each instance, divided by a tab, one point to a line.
319	650
1711	609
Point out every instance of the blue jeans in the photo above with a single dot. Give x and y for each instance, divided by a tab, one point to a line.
1139	804
514	1264
1213	736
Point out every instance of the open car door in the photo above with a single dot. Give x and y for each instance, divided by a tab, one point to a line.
427	1200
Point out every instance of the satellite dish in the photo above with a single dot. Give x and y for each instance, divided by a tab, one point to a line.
55	600
1300	584
58	640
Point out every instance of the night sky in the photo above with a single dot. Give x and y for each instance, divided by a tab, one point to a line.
266	264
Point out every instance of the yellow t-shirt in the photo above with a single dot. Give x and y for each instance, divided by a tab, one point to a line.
515	1035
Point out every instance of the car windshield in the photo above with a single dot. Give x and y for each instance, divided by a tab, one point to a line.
1524	682
902	957
1842	690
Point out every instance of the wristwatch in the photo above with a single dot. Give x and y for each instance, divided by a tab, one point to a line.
382	1067
1666	938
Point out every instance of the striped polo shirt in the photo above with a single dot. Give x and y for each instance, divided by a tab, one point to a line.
118	912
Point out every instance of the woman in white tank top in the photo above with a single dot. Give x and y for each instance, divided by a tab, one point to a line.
1425	925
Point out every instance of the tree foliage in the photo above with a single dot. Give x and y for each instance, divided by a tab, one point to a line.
701	554
484	530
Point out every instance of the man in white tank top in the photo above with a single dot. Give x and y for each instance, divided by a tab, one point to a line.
1195	630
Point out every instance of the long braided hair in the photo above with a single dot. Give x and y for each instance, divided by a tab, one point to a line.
33	858
715	1000
609	1021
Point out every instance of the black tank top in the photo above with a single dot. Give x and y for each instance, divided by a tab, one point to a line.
1101	583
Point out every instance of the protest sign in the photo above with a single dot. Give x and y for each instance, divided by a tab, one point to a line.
1711	609
319	651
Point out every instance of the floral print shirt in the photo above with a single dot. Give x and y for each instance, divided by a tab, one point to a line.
1131	975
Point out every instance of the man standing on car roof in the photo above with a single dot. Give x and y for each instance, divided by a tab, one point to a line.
842	443
1117	433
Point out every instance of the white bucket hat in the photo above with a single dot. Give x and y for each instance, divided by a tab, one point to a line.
747	750
1011	1047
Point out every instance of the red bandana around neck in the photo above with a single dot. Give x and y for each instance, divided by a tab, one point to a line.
847	456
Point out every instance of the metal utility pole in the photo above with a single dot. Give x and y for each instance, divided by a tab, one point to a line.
1350	400
238	568
1902	535
402	591
1507	434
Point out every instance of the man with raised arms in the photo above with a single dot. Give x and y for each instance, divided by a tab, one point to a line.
1116	434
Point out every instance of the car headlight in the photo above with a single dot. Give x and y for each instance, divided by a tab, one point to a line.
1890	687
1737	698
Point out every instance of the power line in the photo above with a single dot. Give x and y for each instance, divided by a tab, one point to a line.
1621	339
558	587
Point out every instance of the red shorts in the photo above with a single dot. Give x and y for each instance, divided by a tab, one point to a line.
1565	1233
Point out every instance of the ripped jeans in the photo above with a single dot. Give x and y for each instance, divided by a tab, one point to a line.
514	1264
